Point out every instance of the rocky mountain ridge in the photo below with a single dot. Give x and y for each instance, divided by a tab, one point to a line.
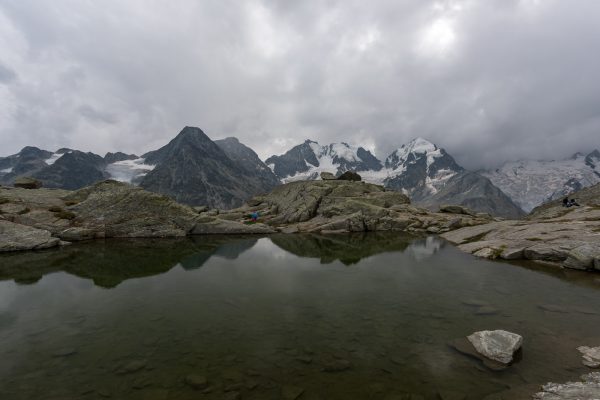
192	169
420	169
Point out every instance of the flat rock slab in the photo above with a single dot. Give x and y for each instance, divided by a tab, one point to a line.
498	345
587	389
15	237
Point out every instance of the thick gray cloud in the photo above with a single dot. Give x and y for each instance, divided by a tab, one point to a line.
487	80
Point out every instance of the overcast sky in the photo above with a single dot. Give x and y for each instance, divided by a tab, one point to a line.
487	80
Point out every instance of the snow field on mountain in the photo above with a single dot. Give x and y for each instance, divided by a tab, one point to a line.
128	170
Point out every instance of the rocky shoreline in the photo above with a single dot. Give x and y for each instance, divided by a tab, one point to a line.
40	218
551	234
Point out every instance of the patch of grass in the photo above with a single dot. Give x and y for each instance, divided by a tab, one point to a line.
55	209
65	215
24	211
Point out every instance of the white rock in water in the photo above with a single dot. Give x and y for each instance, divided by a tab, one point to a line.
591	356
498	345
588	389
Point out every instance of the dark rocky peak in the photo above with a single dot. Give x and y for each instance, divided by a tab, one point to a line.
25	162
370	161
63	150
31	152
192	138
73	170
592	160
194	170
249	160
594	154
295	160
110	158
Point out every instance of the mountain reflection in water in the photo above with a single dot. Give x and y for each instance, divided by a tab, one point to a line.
292	316
110	262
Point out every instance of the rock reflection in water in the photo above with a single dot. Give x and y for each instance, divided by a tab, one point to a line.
110	262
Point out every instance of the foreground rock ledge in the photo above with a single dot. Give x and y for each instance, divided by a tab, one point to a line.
567	237
39	218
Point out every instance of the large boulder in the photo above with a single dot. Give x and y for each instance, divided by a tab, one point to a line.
350	176
498	345
328	176
21	237
27	182
116	209
582	257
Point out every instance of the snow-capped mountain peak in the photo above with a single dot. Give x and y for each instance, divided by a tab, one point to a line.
412	152
307	160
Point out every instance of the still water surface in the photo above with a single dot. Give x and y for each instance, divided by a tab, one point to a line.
287	316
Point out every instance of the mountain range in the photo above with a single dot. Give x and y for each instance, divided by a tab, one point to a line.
195	170
419	169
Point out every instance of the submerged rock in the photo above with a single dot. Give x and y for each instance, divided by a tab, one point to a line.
462	345
196	381
587	389
591	356
498	345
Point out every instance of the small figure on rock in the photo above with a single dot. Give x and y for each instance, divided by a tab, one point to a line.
253	216
569	202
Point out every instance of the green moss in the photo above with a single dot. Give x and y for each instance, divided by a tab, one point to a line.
65	215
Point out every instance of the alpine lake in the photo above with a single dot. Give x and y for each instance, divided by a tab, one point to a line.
366	316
